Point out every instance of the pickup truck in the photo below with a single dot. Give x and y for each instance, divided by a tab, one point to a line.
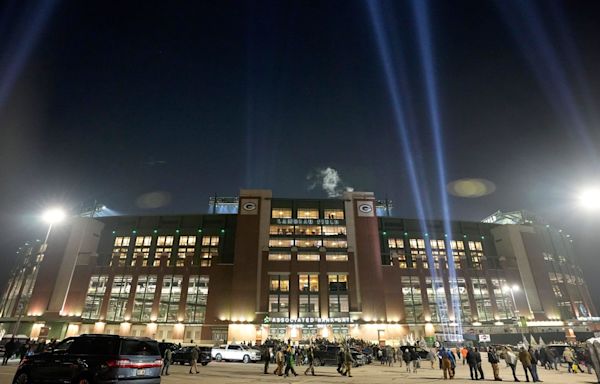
235	352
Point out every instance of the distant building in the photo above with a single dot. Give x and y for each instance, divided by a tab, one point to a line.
296	269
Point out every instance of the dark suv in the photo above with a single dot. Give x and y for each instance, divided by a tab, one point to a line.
94	359
184	355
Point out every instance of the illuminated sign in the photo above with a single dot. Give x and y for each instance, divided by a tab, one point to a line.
308	221
307	320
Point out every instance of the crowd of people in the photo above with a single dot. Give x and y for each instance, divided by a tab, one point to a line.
20	349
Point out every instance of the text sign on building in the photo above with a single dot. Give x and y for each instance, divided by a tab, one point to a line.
308	222
308	320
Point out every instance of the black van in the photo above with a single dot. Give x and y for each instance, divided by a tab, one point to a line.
94	359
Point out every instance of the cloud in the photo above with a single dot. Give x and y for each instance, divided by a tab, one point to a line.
329	180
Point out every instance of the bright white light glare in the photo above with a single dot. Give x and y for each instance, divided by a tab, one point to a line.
515	288
54	215
590	198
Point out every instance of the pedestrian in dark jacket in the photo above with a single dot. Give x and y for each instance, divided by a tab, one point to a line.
479	368
9	349
310	357
406	358
472	361
340	359
289	362
266	358
194	359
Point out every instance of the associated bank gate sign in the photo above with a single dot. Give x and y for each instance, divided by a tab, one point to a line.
308	221
307	320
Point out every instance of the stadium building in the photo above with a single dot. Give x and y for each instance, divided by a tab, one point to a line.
260	267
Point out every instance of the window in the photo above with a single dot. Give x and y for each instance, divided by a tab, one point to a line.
394	243
413	302
338	283
482	299
334	214
309	243
330	256
305	256
142	249
418	252
476	252
164	241
335	244
281	213
308	213
334	230
164	246
143	299
463	296
119	295
287	230
280	256
95	297
436	297
458	252
279	283
308	230
187	246
170	294
197	294
503	299
338	304
279	304
120	249
438	252
210	250
281	243
308	304
308	283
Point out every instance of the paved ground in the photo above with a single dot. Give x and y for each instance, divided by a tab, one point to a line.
235	373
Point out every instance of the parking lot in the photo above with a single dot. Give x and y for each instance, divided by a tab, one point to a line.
375	373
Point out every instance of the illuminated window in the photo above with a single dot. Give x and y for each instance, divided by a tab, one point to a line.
143	299
160	251
120	249
281	213
170	295
465	304
503	299
438	252
143	241
279	256
436	297
279	305
95	297
164	241
281	243
338	304
309	243
413	301
279	283
308	213
142	252
308	230
476	251
210	249
187	246
338	283
418	252
197	294
308	283
458	252
308	304
334	230
119	295
482	299
287	230
396	247
336	256
335	244
303	256
334	214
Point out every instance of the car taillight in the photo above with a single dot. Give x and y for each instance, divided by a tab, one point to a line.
126	363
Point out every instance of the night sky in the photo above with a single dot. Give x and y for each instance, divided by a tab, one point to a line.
115	100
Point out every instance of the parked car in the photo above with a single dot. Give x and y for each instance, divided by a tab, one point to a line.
423	353
94	359
162	346
184	355
235	352
327	355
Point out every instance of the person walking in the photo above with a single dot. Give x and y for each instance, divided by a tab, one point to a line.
463	354
195	353
472	361
569	358
551	357
289	362
399	353
279	360
310	357
348	361
414	358
511	361
166	362
525	359
340	359
406	358
479	368
9	349
446	364
266	358
432	356
494	360
534	363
